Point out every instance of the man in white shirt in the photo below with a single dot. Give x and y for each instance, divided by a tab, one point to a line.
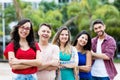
103	46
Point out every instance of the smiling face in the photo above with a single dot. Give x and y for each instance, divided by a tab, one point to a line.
64	36
82	40
99	29
44	33
24	30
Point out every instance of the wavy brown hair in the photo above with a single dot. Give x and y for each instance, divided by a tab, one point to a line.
15	38
56	41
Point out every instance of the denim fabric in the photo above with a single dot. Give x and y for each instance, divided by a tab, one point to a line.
24	77
85	79
100	78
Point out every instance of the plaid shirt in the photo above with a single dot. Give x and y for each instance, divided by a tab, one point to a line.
108	47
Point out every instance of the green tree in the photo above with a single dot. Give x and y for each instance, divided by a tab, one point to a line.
82	13
117	4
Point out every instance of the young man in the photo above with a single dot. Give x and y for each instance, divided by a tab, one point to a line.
49	52
103	50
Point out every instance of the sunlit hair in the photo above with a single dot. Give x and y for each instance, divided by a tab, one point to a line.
88	45
15	38
45	24
56	41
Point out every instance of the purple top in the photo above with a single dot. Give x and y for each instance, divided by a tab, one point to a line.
108	47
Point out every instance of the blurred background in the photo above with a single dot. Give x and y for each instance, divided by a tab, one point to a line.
77	15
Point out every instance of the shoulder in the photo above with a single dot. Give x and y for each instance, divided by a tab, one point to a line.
36	44
11	44
94	38
9	47
110	39
53	46
88	52
74	48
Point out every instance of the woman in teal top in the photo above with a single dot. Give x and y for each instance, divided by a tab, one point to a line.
68	54
66	73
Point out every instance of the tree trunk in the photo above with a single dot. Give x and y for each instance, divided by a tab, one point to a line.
17	9
68	22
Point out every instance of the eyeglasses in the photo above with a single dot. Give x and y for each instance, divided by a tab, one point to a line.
25	28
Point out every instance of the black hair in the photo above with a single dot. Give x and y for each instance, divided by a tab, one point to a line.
97	21
88	45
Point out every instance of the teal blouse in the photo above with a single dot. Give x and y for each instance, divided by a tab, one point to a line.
66	73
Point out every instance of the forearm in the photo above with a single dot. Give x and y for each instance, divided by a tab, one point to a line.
34	62
100	56
46	65
18	66
51	68
84	68
42	68
51	63
68	64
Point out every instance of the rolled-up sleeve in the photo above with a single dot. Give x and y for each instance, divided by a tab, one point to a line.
109	47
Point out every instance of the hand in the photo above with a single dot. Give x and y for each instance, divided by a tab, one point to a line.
76	77
14	61
61	66
92	52
76	72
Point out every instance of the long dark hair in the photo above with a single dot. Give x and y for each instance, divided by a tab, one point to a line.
15	38
88	45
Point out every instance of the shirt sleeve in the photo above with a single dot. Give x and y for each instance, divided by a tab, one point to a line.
9	47
110	48
74	58
37	46
56	52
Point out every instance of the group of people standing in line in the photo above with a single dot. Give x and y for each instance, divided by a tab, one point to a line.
84	59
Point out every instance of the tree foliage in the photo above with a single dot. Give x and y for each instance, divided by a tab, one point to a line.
117	4
76	15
